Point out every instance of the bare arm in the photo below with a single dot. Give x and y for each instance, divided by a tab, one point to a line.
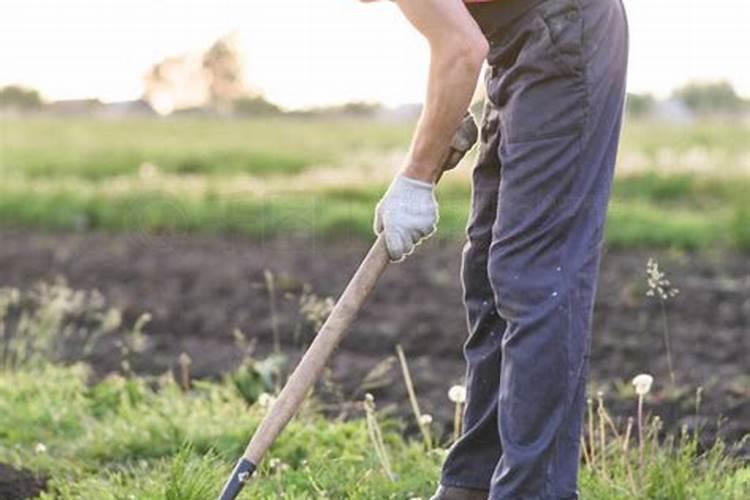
408	212
457	51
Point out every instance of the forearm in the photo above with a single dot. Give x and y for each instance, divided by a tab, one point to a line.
457	51
408	212
452	81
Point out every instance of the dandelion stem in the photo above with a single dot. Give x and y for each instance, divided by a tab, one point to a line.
654	441
626	452
667	343
602	433
612	425
698	396
592	446
457	416
376	436
585	452
641	443
184	362
413	397
271	287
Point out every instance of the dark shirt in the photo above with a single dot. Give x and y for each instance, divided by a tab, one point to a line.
493	16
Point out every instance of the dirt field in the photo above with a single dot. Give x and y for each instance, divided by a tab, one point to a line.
199	289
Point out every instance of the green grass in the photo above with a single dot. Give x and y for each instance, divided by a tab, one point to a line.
126	438
681	187
120	437
719	138
645	211
96	150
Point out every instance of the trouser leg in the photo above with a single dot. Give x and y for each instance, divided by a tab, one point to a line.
472	459
559	84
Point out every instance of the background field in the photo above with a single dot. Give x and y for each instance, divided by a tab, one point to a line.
681	186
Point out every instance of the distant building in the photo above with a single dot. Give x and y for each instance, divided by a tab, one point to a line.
125	109
672	110
99	109
74	107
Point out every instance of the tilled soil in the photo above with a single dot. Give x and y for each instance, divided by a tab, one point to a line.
19	484
199	289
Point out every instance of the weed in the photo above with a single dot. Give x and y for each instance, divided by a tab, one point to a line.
661	288
423	421
664	470
254	378
184	361
54	323
315	309
376	436
642	384
271	287
457	395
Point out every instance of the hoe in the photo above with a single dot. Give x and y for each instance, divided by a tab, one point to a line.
310	367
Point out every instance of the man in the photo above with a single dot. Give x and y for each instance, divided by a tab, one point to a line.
555	89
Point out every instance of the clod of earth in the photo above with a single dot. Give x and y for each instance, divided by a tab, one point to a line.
19	484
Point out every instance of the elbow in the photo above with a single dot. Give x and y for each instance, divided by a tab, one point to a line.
478	50
466	55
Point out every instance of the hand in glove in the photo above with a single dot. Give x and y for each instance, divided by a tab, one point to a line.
463	140
407	215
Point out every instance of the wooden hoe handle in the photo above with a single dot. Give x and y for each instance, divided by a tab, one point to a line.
311	366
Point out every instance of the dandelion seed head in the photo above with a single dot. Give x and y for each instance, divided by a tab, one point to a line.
642	383
425	419
184	359
457	394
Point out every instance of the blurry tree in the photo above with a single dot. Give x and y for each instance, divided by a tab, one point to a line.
222	63
20	98
255	106
639	105
177	82
349	109
212	80
710	98
360	108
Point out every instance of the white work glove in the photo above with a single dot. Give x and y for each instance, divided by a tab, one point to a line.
407	214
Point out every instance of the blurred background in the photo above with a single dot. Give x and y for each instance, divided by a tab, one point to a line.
210	168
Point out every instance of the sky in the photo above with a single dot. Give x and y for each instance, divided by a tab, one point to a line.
303	53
